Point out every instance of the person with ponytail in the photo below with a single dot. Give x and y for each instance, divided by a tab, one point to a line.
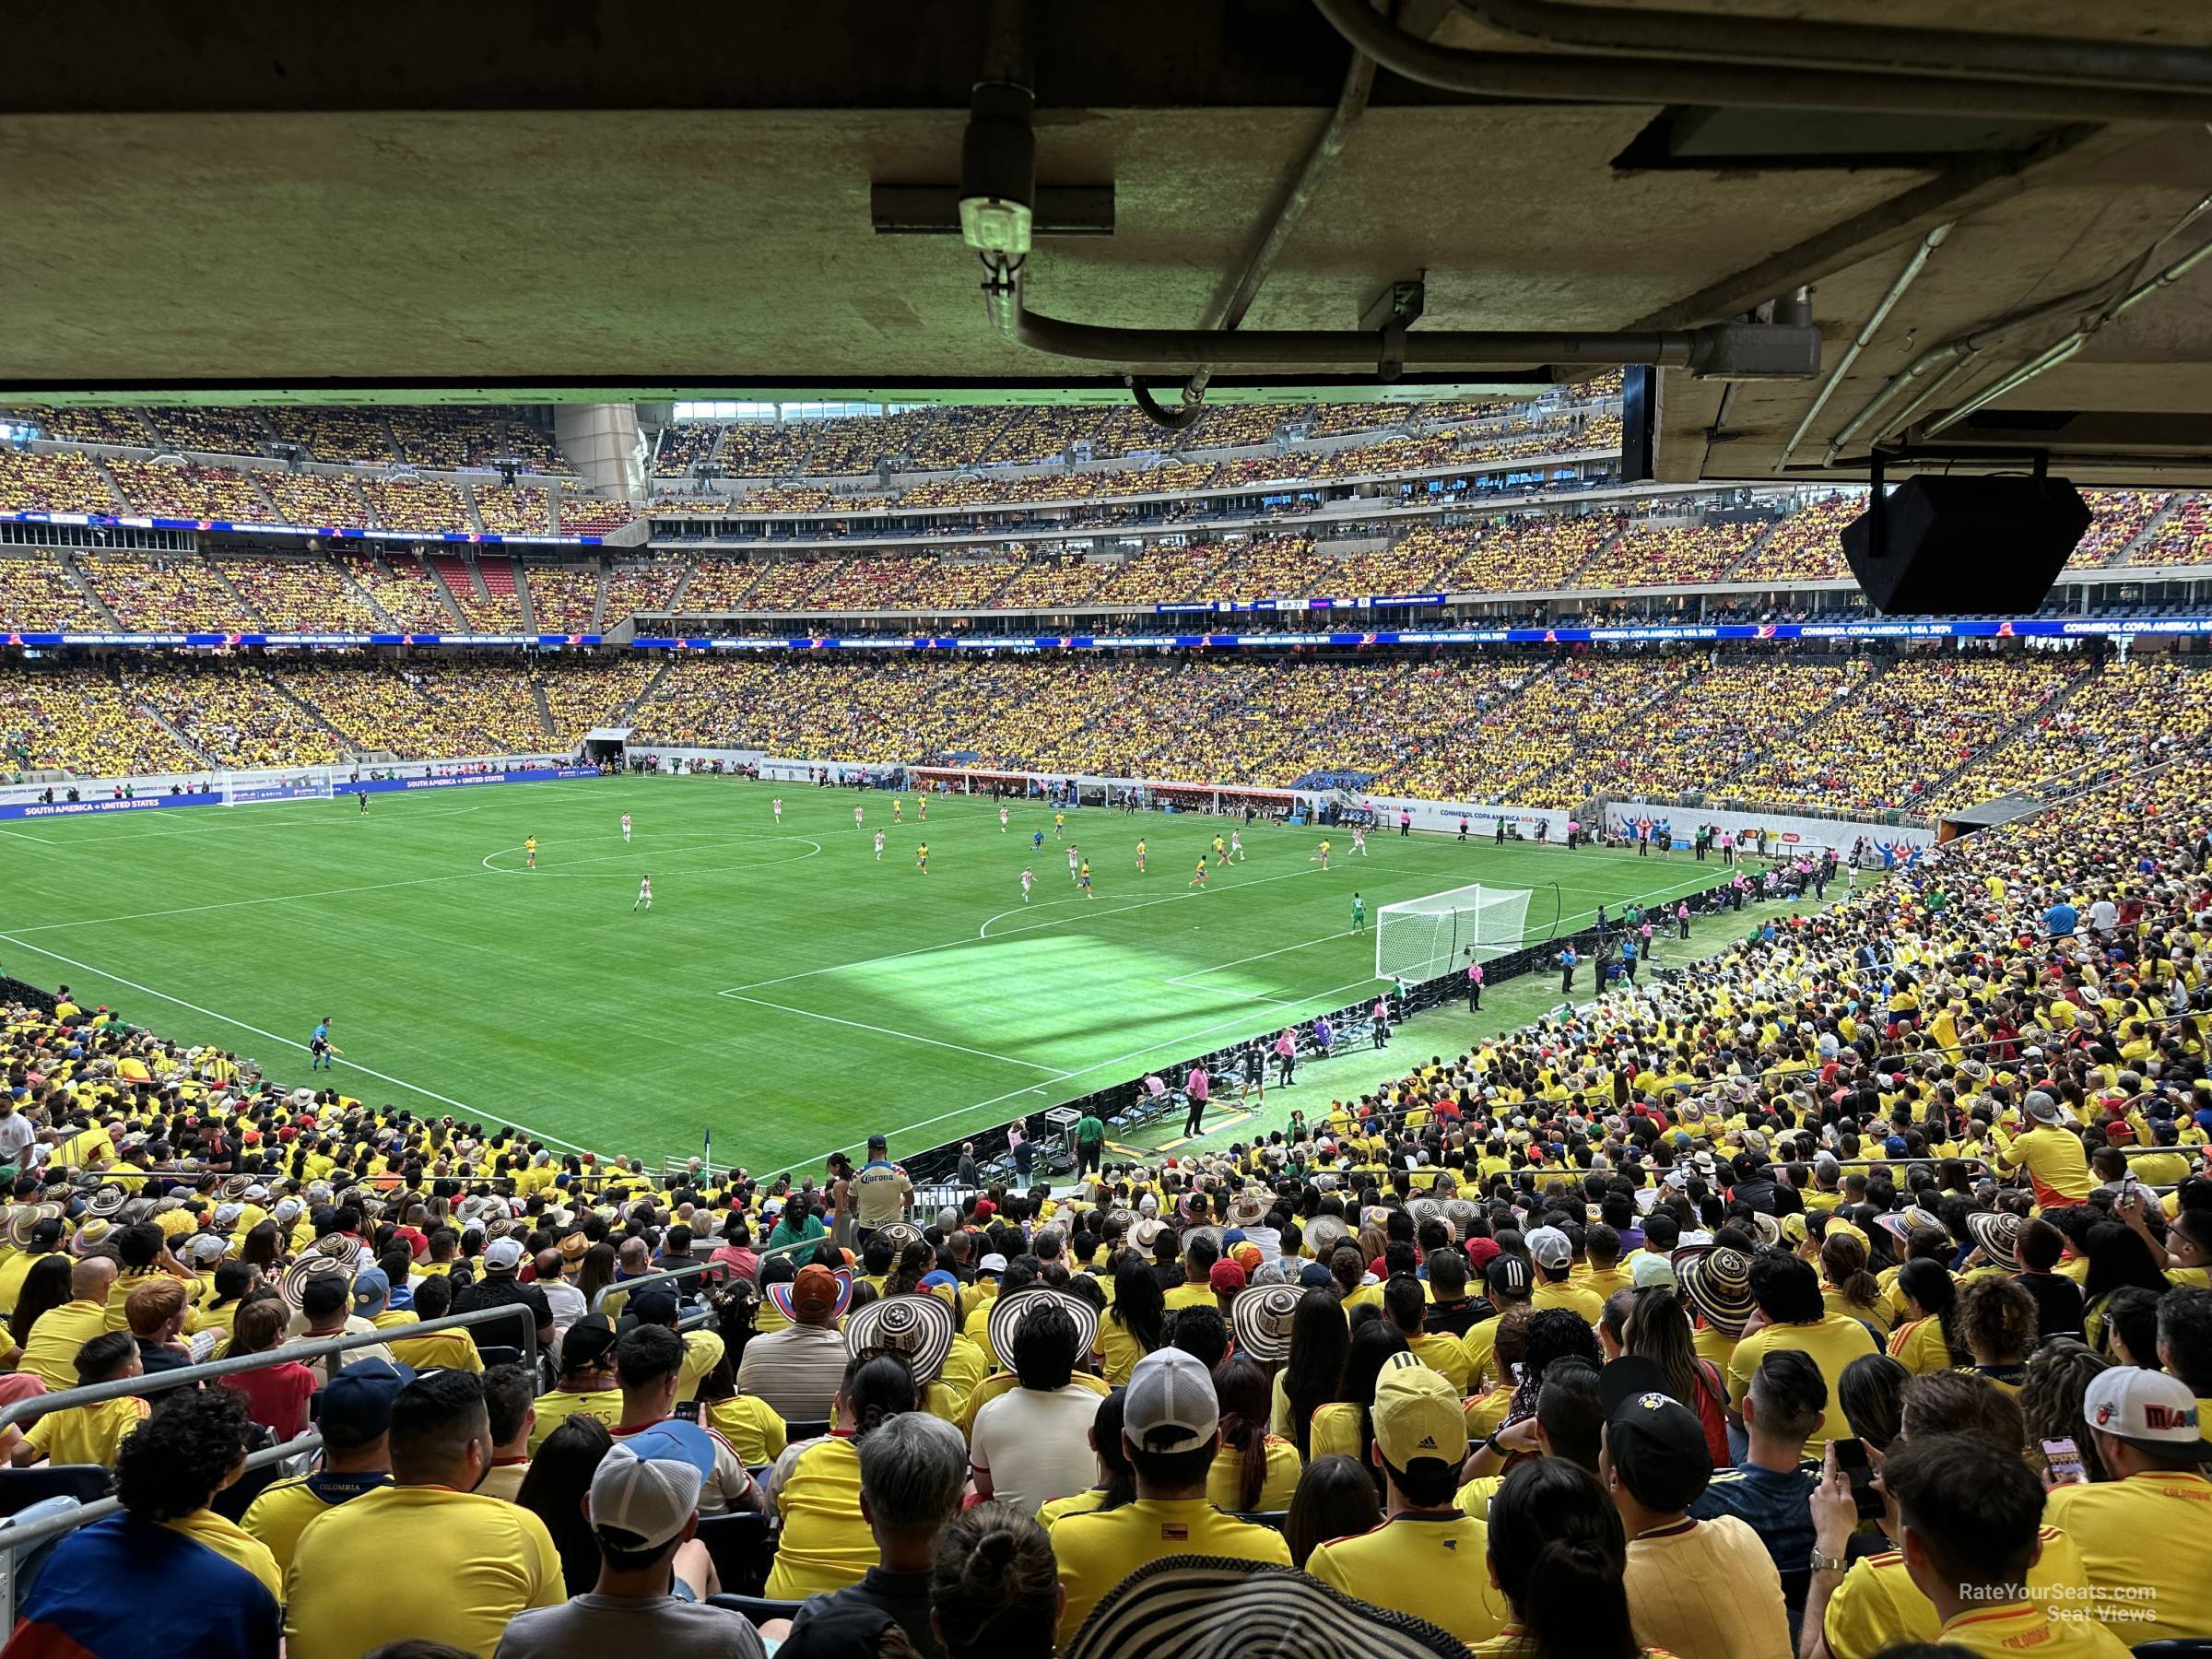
1659	1329
1135	1324
1558	1551
1319	1339
994	1589
1254	1470
1927	1342
826	1543
1846	1285
1346	1424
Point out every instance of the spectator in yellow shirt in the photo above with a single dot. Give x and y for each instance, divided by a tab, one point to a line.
1553	1253
2058	1169
1171	1425
49	1349
2145	1534
493	1558
1416	1561
88	1435
1787	1292
1967	1522
1557	1552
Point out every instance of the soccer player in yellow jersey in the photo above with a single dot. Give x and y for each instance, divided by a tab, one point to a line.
922	858
1083	879
1140	855
1322	857
1199	880
1220	850
530	849
1059	823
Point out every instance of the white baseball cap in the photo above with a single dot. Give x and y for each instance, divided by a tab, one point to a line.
651	1498
503	1254
1171	1405
2149	1411
1549	1247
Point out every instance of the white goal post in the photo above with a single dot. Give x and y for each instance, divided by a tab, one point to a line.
1421	938
254	788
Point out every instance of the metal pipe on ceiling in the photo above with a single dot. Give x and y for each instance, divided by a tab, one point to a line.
2058	354
1853	47
1954	356
1905	279
1185	350
1724	350
1661	81
1229	311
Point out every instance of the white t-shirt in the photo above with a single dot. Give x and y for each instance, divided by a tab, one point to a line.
2103	914
17	1131
1036	1446
566	1301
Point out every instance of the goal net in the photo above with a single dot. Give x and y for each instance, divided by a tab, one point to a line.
276	783
1421	938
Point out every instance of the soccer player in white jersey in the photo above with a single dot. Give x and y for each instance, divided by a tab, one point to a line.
1359	840
644	899
1074	858
1026	879
878	846
1002	820
1236	846
777	805
857	817
625	828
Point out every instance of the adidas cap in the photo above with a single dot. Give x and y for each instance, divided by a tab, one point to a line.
1418	1415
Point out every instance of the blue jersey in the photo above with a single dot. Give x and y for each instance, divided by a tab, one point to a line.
1037	838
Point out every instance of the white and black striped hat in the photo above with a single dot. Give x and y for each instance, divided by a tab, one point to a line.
1206	1608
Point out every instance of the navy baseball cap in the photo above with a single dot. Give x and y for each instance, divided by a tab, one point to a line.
357	1403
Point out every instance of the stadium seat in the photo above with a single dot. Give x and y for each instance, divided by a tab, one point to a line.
809	1429
743	1547
758	1608
19	1488
1268	1518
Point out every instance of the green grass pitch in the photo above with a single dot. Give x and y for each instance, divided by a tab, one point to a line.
787	990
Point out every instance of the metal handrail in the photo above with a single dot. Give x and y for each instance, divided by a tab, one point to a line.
626	1286
15	1539
93	1394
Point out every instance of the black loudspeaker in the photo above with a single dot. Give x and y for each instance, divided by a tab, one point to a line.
1955	546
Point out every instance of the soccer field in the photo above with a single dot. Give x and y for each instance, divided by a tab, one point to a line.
787	991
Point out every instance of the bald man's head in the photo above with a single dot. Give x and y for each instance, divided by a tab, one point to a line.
91	1279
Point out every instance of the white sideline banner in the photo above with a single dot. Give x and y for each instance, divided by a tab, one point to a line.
1788	831
1444	818
1434	817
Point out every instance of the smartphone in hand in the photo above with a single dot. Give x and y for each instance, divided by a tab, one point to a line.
1851	1457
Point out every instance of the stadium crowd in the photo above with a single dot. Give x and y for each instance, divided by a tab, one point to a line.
1846	1293
1553	728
